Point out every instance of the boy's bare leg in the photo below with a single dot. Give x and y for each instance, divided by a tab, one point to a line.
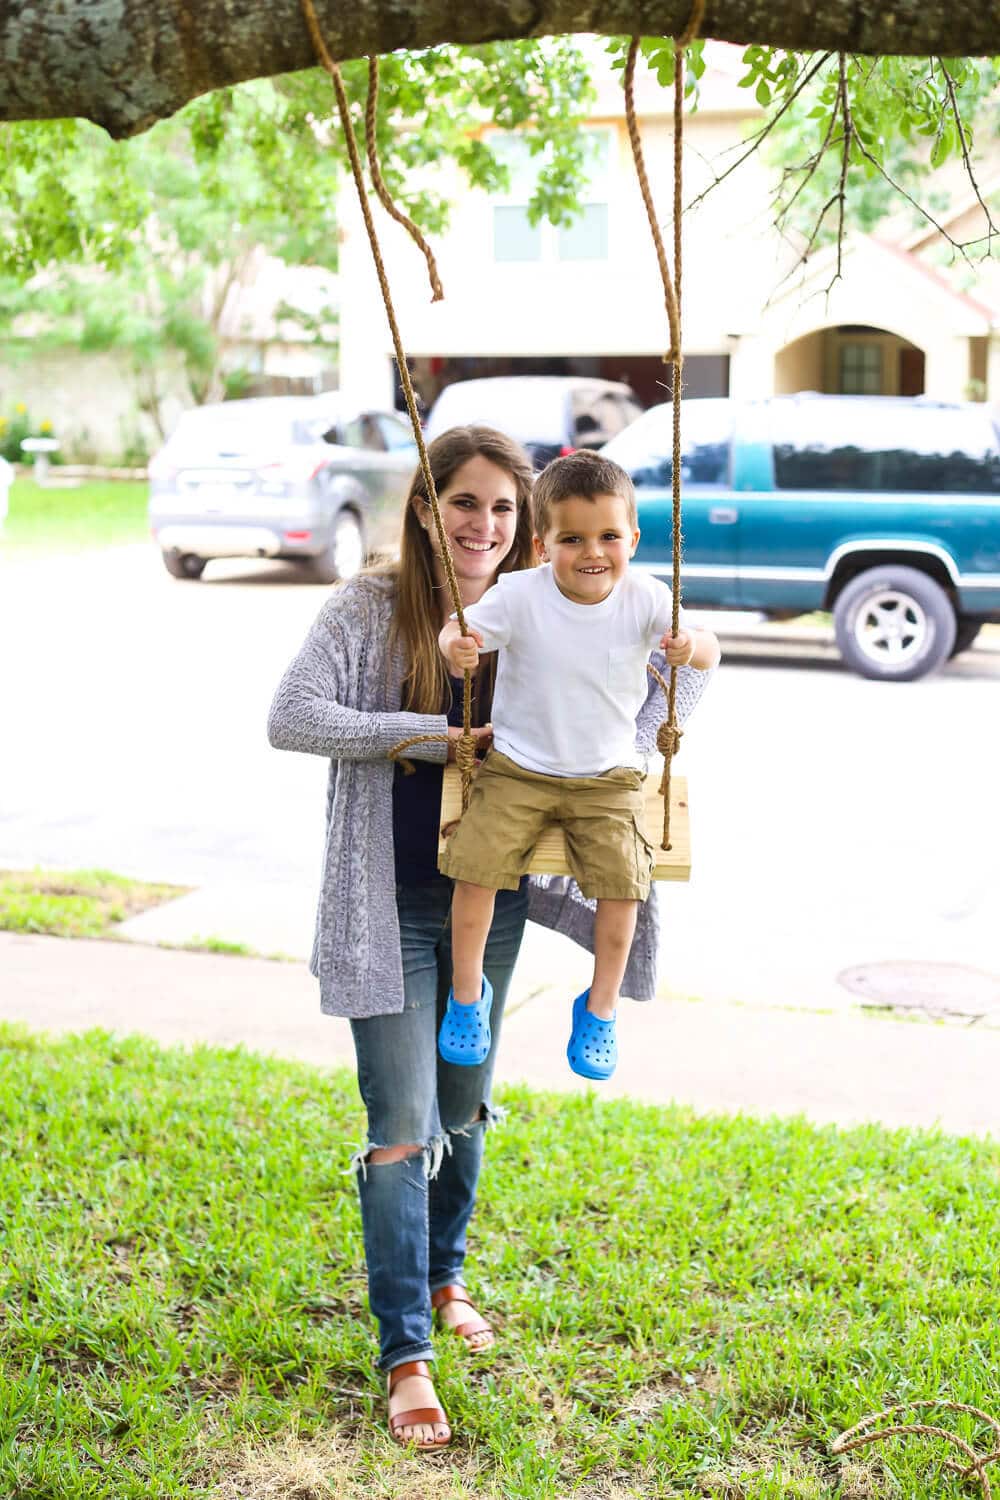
471	918
614	928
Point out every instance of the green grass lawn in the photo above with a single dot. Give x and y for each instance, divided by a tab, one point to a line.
74	903
89	904
686	1307
99	513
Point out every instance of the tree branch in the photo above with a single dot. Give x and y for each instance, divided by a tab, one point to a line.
127	63
958	245
845	162
761	135
808	167
991	229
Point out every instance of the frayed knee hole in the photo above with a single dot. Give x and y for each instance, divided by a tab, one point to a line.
381	1156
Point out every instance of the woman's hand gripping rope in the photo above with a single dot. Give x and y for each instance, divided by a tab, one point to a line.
482	739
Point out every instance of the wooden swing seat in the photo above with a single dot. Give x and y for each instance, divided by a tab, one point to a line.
549	857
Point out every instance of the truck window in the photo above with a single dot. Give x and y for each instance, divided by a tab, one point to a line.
645	448
884	445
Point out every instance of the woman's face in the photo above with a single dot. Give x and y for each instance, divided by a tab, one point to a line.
479	511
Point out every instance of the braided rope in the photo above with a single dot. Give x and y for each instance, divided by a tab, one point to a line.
384	196
669	735
467	757
673	354
861	1436
668	742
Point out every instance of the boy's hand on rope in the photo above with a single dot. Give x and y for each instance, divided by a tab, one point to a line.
461	652
483	738
679	648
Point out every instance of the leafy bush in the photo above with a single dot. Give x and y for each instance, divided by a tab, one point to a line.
17	426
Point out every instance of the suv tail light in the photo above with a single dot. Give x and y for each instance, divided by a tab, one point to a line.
292	471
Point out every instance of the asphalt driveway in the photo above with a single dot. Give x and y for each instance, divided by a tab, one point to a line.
837	822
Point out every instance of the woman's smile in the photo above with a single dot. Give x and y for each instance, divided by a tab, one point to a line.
471	545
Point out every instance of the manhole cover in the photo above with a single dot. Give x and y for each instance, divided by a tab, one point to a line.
938	989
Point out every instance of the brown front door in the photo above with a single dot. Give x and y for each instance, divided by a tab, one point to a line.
911	372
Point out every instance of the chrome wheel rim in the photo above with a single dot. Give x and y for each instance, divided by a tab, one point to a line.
891	628
348	548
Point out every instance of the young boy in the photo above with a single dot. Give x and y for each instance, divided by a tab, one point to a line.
573	638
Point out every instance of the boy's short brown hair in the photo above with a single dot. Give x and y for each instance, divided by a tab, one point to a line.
580	476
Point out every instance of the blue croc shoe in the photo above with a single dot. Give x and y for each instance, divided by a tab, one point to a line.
465	1035
593	1046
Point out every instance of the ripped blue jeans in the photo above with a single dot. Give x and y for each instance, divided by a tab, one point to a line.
415	1212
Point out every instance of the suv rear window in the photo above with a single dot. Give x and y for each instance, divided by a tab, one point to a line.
884	446
600	415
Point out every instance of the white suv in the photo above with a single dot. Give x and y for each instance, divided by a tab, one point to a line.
308	478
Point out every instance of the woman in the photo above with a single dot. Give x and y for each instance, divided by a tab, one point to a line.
369	676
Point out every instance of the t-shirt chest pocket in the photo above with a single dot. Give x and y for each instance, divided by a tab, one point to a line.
624	670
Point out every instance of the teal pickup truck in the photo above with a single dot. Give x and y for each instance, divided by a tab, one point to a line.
884	510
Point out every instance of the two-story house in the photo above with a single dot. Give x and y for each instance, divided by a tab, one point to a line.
586	298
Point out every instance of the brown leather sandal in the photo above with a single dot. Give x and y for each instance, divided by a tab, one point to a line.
472	1326
417	1416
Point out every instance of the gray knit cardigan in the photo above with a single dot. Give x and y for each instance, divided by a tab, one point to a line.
340	698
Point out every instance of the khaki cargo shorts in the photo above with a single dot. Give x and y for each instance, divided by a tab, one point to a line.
607	852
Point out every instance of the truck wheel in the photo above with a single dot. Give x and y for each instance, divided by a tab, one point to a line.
965	635
183	565
894	623
345	555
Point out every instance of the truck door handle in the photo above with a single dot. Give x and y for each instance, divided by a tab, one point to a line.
723	515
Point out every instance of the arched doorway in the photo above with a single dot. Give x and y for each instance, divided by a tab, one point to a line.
850	359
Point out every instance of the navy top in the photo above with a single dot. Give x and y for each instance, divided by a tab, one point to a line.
416	809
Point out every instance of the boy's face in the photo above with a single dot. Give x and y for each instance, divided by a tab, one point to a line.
588	543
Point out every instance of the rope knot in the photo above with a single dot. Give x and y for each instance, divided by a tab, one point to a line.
465	754
668	739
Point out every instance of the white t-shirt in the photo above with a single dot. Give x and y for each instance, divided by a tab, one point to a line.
570	677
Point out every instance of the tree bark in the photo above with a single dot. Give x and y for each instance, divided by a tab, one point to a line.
128	63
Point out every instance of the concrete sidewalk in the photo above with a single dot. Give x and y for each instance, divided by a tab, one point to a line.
715	1057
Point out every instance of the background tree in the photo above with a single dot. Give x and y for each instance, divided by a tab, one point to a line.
138	246
854	139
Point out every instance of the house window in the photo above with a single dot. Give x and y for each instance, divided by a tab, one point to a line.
515	238
587	237
861	369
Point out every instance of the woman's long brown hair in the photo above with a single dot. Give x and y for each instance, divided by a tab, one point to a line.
416	620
